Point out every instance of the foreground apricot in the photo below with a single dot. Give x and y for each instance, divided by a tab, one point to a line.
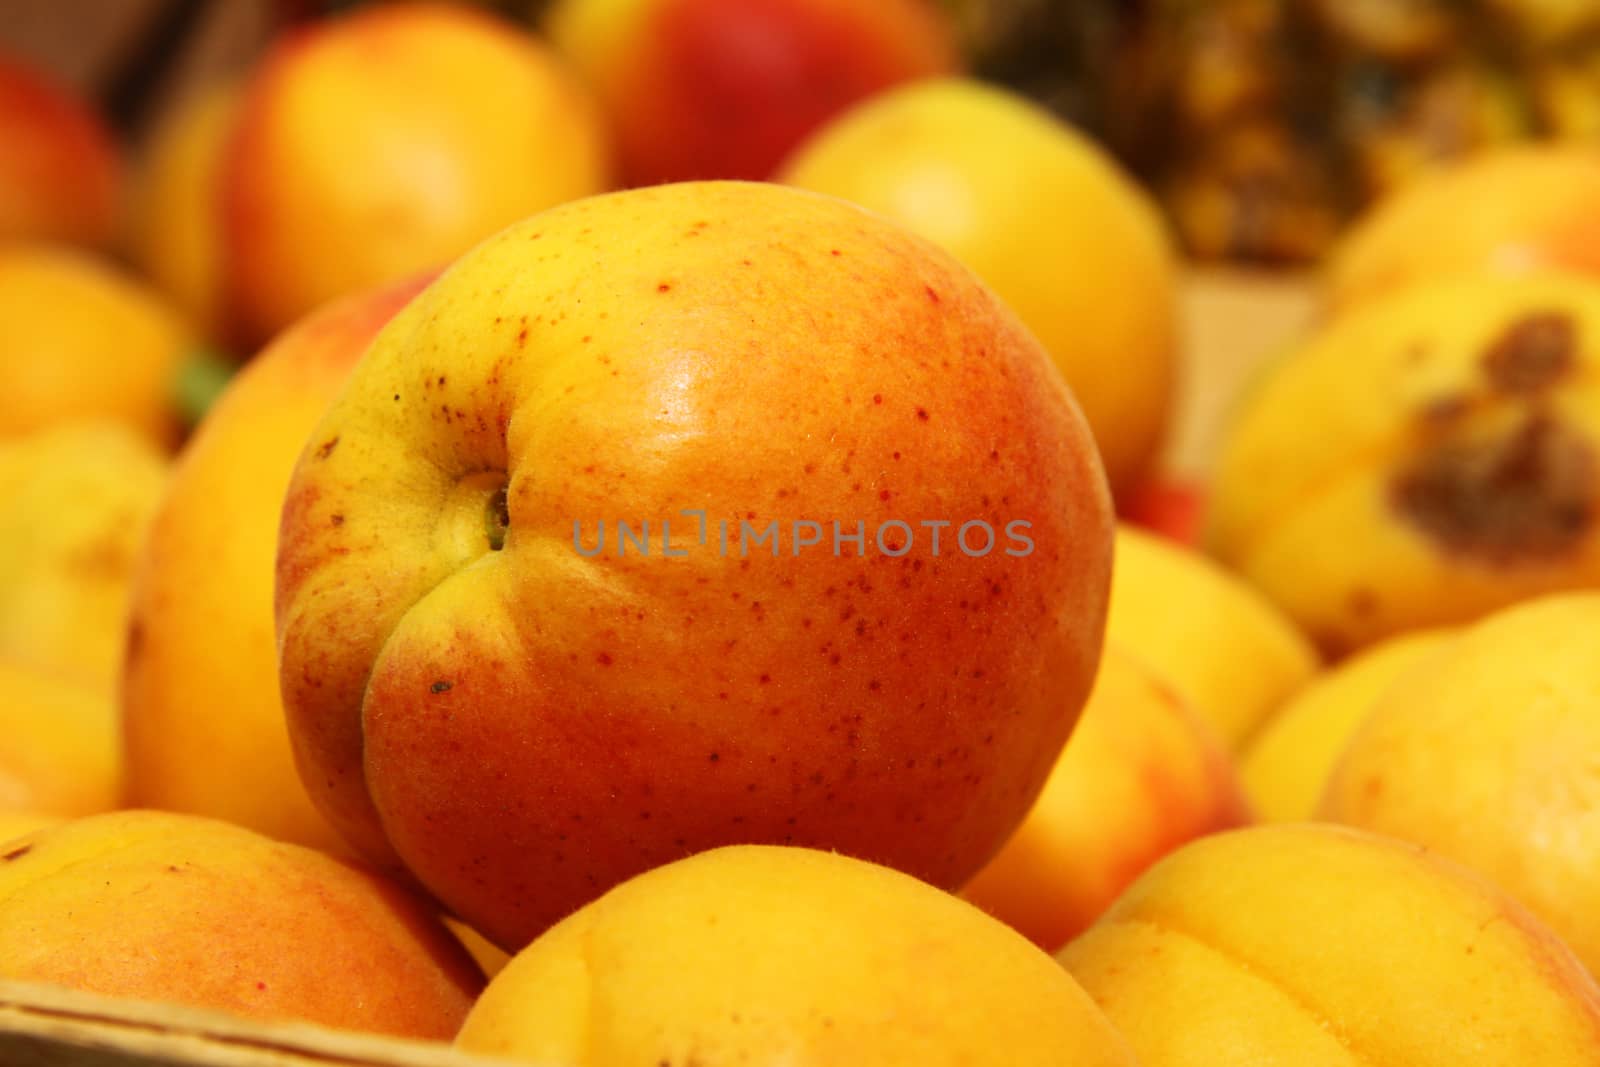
1142	774
176	908
1487	754
1317	945
759	954
1466	476
1218	644
376	144
60	169
202	720
1007	187
84	340
700	89
1287	764
486	685
1512	211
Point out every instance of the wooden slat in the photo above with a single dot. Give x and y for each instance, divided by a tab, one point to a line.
43	1026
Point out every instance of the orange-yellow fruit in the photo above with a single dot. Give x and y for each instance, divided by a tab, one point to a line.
1141	775
83	340
202	721
75	504
59	756
758	954
1320	946
176	908
522	720
1222	647
1007	188
1512	211
1466	475
60	170
1489	753
387	141
177	228
1289	761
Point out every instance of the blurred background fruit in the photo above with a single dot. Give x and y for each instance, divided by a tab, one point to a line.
60	754
202	721
61	170
1043	216
363	153
1421	461
1510	212
727	88
82	339
75	502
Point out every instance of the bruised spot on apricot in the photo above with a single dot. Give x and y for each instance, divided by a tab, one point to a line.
1444	410
441	686
17	853
326	448
1523	496
1532	354
1362	602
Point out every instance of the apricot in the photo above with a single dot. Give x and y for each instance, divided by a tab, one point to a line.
363	149
487	688
84	340
1008	188
60	753
176	908
1464	476
1487	754
1288	763
1516	210
759	954
203	724
1141	775
1316	945
1218	644
75	504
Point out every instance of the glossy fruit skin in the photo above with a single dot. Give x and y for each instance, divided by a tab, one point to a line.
523	727
753	954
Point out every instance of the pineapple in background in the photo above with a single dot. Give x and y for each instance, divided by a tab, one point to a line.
1265	125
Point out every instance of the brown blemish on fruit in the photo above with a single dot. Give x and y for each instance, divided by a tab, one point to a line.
1523	496
326	448
441	686
1444	410
1362	602
1533	354
17	853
